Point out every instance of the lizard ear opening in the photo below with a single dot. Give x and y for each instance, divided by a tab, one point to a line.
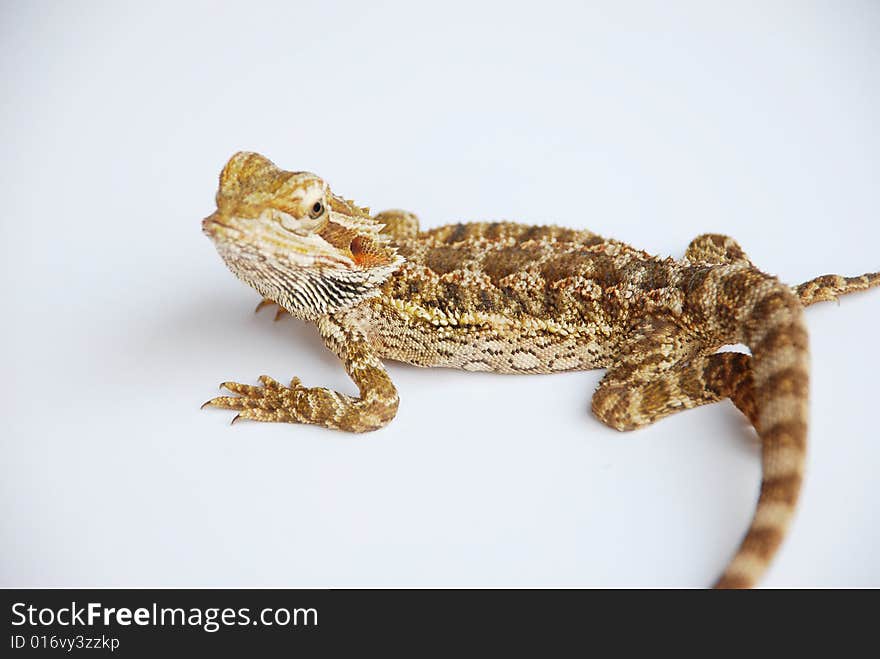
368	253
365	250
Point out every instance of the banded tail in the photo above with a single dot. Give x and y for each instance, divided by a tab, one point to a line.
775	332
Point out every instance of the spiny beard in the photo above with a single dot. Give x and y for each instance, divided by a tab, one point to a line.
306	291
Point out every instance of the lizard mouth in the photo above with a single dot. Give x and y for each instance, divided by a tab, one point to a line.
212	226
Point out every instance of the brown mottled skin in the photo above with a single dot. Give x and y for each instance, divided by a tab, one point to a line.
511	298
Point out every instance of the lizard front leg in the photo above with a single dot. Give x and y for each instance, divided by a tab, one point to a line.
400	225
372	409
268	302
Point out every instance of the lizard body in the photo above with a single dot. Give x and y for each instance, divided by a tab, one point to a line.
510	298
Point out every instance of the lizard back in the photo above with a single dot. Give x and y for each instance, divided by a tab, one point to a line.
514	298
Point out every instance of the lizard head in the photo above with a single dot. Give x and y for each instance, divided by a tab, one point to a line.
289	237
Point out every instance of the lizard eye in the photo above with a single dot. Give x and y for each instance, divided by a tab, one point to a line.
317	210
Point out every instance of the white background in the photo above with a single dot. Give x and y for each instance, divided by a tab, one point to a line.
650	122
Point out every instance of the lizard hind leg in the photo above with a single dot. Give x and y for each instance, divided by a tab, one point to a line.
631	402
641	386
828	288
715	248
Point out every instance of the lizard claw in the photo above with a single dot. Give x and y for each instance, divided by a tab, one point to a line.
269	401
265	302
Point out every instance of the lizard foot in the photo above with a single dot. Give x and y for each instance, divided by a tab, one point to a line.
270	402
266	302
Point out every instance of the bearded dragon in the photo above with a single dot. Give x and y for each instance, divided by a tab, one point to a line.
511	298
